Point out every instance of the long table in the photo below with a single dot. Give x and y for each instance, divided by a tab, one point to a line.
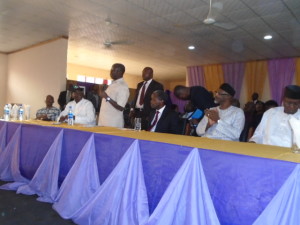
242	178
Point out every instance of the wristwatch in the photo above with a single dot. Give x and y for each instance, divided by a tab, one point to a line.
108	99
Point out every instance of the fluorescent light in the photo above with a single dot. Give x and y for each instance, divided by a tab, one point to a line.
191	47
268	37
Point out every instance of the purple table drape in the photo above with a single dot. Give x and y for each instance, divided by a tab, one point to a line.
240	186
281	74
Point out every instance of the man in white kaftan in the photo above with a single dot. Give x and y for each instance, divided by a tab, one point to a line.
83	110
274	128
224	122
114	99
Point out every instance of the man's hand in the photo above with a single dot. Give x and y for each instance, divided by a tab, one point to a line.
42	117
212	114
63	118
102	93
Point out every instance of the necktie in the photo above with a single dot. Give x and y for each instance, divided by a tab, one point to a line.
143	94
155	121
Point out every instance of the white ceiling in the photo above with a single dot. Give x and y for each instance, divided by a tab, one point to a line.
154	33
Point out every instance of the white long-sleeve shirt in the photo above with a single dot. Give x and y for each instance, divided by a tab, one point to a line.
229	127
274	128
110	116
83	111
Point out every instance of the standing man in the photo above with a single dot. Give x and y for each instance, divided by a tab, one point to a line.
65	97
83	110
274	128
163	119
141	106
224	122
49	113
198	95
114	99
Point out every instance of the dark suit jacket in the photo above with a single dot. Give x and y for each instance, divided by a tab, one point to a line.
62	99
168	122
153	86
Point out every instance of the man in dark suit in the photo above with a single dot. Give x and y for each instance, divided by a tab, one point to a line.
163	119
140	107
65	97
198	95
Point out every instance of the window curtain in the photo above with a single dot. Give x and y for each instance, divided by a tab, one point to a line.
298	71
195	76
213	76
255	73
234	75
281	73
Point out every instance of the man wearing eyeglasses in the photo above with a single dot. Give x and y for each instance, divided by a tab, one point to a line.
224	122
274	128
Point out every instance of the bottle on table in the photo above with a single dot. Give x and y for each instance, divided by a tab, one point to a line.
70	116
6	113
21	113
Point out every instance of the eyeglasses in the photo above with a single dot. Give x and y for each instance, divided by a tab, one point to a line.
222	94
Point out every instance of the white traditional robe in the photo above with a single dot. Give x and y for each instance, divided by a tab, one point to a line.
83	111
229	127
274	128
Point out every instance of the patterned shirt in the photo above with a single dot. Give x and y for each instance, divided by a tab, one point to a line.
229	127
52	113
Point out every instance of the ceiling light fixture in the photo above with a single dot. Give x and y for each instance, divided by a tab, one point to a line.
268	37
191	47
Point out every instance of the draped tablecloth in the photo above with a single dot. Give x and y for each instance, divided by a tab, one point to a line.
148	178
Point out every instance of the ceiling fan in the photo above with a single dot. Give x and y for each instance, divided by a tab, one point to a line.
109	44
109	22
210	20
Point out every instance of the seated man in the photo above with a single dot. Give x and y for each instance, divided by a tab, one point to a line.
49	113
274	128
163	119
224	122
83	110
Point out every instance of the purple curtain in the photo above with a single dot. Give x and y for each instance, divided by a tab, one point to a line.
180	103
281	74
234	75
195	76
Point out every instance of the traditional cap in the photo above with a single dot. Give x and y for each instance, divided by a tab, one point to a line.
226	87
75	88
292	91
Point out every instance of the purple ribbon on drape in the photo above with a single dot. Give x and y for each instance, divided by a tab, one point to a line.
281	74
195	76
234	75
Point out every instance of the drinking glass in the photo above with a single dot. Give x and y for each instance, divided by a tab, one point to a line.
137	124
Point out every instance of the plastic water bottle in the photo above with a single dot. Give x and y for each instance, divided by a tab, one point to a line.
6	113
21	113
70	117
